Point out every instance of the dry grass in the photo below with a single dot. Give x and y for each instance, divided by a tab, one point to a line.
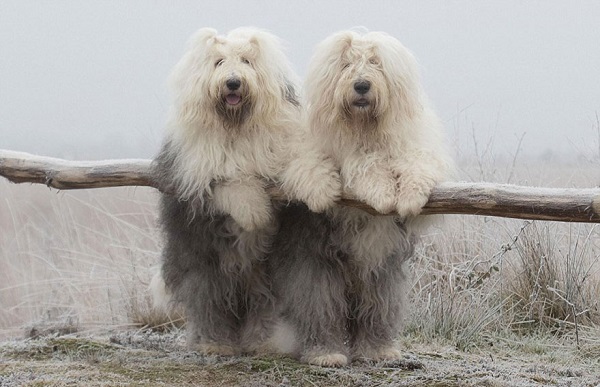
486	279
81	261
481	279
81	257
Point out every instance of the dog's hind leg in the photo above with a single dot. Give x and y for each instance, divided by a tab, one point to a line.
210	309
317	310
259	318
377	309
310	287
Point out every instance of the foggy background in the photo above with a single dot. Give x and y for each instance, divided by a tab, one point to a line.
87	80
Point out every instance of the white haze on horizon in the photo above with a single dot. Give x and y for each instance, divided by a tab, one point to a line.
86	80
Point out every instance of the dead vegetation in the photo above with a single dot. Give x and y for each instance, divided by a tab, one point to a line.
495	301
145	358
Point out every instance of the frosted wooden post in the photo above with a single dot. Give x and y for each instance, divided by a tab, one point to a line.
503	200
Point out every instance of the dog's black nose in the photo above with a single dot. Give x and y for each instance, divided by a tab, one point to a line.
362	87
233	84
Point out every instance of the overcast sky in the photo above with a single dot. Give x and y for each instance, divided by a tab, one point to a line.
86	79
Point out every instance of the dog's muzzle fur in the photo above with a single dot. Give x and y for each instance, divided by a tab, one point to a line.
234	104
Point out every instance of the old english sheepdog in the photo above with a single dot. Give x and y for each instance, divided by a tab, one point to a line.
340	275
234	105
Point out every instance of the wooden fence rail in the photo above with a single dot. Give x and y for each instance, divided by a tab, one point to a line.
503	200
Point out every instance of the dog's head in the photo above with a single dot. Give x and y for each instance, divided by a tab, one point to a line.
238	77
362	80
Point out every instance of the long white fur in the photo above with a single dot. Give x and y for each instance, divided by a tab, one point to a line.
392	166
206	151
389	154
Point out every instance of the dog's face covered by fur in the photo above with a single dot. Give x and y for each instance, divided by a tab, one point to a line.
234	80
233	83
363	81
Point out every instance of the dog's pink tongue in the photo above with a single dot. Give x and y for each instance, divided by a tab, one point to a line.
233	99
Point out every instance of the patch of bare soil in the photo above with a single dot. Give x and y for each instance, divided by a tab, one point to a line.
154	359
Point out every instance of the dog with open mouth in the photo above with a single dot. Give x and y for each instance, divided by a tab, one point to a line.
234	107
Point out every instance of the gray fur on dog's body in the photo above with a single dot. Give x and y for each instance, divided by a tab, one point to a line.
213	268
328	294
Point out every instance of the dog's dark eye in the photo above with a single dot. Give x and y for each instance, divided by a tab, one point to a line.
245	61
219	62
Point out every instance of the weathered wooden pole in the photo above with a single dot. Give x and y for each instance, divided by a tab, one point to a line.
503	200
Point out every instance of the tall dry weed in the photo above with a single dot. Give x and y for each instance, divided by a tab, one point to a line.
477	277
554	278
81	257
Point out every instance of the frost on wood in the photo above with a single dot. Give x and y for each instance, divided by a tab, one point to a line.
20	167
509	201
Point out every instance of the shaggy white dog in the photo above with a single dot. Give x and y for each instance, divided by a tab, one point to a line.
339	276
234	106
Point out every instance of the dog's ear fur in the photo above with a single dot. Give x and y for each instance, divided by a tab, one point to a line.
340	45
401	70
201	38
255	43
325	66
186	78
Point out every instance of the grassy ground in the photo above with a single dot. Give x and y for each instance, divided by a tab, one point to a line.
153	359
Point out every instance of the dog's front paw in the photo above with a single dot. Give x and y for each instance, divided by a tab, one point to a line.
246	201
378	191
381	196
324	194
411	204
254	218
383	204
314	181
